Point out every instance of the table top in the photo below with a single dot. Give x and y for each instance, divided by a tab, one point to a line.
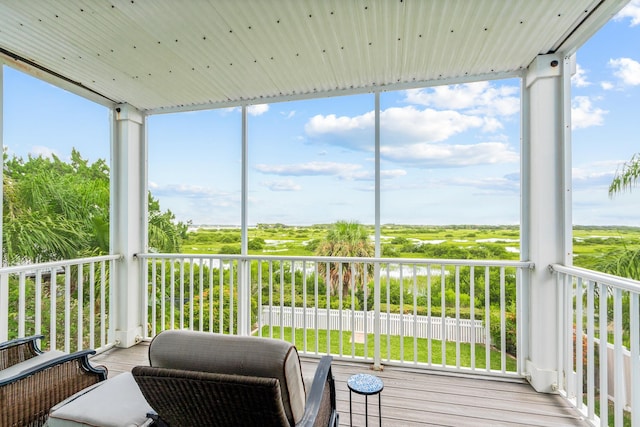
365	384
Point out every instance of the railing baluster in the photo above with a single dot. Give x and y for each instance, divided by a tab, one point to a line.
172	310
472	306
53	310
457	286
444	338
181	294
618	361
103	303
304	305
487	318
281	300
429	318
191	296
80	299
634	316
92	302
401	314
221	296
211	295
293	301
38	302
604	388
579	350
590	351
21	304
503	324
328	304
67	309
340	302
152	263
201	297
352	312
163	292
231	298
415	315
316	310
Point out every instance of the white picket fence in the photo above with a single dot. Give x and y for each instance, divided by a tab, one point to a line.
459	330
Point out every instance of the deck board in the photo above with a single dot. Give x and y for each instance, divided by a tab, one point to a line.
413	397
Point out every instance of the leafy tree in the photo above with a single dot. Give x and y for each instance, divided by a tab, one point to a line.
55	210
345	239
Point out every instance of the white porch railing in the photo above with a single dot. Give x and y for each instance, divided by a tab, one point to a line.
604	380
392	324
72	295
223	293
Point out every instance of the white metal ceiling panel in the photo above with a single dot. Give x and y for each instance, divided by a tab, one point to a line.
166	55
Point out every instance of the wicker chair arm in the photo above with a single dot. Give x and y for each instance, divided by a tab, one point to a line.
18	350
28	395
82	358
320	408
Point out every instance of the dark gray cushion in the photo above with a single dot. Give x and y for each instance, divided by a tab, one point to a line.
229	354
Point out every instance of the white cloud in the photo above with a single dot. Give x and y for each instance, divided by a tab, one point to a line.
579	79
310	169
286	185
258	109
606	85
345	171
584	114
591	176
332	124
632	10
476	98
490	185
444	155
42	151
627	70
399	124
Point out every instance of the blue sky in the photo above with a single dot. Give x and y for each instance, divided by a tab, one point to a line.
449	155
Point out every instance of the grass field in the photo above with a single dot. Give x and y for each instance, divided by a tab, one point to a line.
392	348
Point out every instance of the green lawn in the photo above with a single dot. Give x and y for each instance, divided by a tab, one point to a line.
392	350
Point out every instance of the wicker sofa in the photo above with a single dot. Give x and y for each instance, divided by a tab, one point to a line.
199	378
32	381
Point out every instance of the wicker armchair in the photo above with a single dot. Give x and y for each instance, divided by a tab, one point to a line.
199	378
32	381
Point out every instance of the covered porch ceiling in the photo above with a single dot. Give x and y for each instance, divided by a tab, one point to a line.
168	55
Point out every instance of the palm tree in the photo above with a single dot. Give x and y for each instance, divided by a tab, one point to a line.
624	262
345	239
627	177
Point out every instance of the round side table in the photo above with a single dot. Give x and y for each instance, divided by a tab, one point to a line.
366	385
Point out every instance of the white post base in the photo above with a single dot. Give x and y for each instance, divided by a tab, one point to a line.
126	339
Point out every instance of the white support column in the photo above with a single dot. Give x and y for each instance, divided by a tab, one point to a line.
544	206
244	266
128	222
4	280
377	364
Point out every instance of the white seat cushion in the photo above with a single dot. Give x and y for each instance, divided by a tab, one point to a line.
29	364
116	402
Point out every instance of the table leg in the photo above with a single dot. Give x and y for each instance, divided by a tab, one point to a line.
350	411
366	410
380	408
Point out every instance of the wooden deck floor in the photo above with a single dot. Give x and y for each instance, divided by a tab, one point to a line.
417	398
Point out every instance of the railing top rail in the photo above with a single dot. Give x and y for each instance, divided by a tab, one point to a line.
604	278
54	264
369	260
